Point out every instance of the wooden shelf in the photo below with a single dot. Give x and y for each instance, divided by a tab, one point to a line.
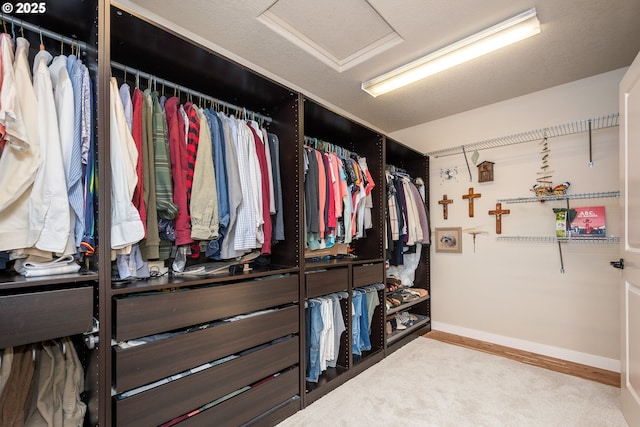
407	305
399	333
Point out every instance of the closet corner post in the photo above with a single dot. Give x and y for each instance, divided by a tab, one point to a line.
104	217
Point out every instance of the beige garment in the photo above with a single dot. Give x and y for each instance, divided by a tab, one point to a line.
204	195
150	246
5	368
73	408
20	159
46	407
414	229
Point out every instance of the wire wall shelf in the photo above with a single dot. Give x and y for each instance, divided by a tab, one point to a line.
554	239
602	122
594	195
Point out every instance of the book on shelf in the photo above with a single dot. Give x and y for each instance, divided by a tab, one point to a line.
588	221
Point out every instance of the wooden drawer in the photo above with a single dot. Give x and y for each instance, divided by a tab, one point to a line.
150	362
249	404
38	316
327	281
368	274
150	314
163	403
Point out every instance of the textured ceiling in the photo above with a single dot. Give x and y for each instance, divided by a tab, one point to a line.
579	38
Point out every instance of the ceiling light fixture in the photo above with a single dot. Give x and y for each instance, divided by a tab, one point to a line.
512	30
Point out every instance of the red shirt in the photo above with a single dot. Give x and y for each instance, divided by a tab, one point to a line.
178	156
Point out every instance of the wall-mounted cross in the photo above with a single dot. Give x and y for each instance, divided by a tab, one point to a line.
470	196
498	212
445	205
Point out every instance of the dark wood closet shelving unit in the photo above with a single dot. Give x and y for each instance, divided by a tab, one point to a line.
67	305
325	277
417	166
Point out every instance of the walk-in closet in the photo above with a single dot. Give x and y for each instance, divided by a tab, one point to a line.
183	330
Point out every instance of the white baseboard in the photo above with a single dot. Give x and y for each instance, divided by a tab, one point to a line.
533	347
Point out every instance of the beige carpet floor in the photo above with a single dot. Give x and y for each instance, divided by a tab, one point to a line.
431	383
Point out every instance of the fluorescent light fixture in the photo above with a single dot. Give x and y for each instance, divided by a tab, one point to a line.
512	30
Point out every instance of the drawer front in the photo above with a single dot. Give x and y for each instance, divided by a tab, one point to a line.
368	274
147	315
150	362
325	282
248	405
39	316
163	403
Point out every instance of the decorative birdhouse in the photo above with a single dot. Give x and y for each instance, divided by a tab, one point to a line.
485	171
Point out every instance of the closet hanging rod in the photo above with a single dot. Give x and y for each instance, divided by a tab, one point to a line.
88	48
602	122
322	145
48	33
184	89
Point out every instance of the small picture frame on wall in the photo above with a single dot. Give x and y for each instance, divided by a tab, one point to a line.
448	239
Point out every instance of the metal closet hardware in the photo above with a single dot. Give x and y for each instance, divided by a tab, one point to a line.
587	125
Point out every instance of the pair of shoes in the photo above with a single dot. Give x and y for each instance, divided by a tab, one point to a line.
396	324
406	319
405	296
418	291
391	287
393	301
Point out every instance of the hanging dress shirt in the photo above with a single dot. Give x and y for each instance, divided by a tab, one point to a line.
267	151
177	157
265	190
246	226
255	175
219	142
21	156
164	187
150	246
126	226
136	133
278	222
193	138
77	73
127	104
50	222
63	97
204	197
88	244
230	132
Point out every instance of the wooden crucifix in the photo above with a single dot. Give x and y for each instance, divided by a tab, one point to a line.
445	205
498	212
470	196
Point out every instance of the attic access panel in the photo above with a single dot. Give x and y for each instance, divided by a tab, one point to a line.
141	45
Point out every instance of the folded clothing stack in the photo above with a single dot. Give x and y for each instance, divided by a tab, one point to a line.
35	266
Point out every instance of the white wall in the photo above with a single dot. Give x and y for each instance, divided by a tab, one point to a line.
513	293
